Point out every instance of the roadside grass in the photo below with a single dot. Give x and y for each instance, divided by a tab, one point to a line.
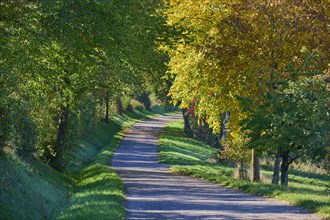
87	189
103	136
31	189
98	194
175	148
98	191
308	190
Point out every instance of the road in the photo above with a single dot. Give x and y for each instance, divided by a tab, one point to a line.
152	192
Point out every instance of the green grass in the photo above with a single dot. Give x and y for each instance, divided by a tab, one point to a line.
99	194
87	189
103	136
175	148
308	190
98	191
31	189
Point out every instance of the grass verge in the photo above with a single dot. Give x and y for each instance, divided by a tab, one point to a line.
98	191
31	189
175	148
308	190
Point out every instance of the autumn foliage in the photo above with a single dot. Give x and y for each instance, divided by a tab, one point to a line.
227	50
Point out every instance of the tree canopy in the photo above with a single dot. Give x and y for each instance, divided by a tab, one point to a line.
228	50
231	48
61	61
56	55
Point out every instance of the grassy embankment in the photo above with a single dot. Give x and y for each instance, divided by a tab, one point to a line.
308	190
87	189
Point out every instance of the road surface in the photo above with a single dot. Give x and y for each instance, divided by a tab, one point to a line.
152	192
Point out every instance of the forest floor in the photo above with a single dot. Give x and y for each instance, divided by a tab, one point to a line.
152	192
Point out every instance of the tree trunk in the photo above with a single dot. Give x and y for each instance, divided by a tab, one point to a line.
285	170
187	128
255	167
61	137
107	98
120	108
241	172
276	172
224	124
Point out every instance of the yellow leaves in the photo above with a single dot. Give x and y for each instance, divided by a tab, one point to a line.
304	50
233	46
213	32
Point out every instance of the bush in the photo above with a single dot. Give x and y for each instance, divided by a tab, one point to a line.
136	105
145	100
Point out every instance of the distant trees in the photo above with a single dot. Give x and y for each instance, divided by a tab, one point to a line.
61	60
233	49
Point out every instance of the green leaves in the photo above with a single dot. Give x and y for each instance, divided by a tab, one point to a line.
292	119
61	54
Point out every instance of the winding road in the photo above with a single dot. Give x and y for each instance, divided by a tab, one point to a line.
152	192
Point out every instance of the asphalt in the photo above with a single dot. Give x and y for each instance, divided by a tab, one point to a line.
152	192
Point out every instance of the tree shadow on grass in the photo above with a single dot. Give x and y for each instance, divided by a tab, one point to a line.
99	195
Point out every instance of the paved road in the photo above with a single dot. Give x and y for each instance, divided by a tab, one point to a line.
153	193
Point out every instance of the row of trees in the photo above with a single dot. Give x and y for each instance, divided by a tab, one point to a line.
64	62
265	63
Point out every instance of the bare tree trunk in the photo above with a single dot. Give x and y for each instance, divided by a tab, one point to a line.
107	98
241	172
255	167
276	171
187	128
285	170
61	137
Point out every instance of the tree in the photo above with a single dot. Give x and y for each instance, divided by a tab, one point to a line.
17	130
290	120
239	48
236	149
58	58
230	48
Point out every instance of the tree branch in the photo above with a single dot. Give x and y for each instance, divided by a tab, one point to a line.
296	157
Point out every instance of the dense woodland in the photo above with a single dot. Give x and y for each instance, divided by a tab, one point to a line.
251	77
